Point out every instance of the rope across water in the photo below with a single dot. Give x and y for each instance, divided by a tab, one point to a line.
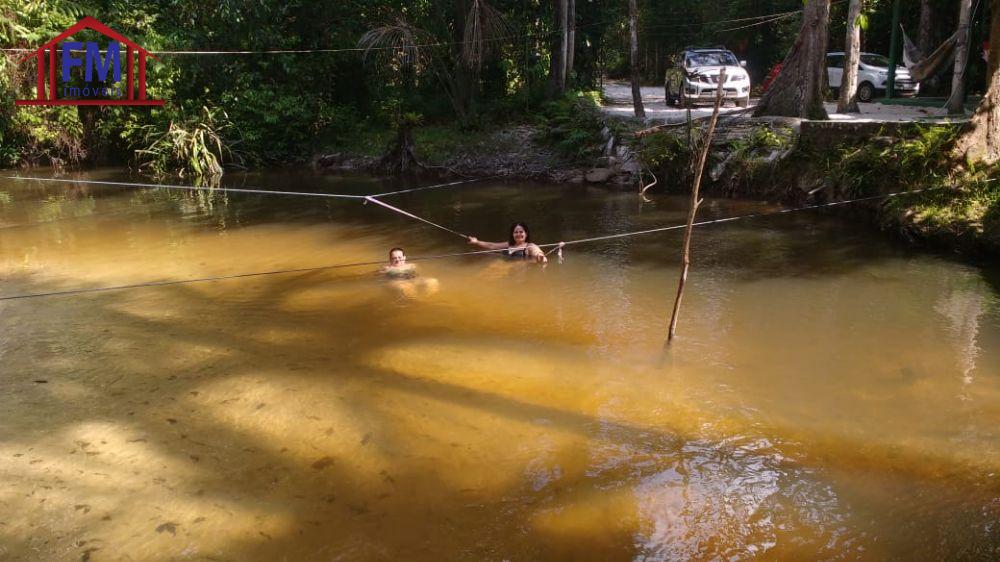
372	198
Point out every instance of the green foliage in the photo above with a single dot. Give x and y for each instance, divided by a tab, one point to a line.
752	157
665	152
573	123
762	140
287	106
195	147
960	201
668	154
48	135
921	158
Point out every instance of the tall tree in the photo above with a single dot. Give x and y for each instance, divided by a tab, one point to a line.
956	103
848	102
980	142
797	91
571	41
925	35
557	68
633	17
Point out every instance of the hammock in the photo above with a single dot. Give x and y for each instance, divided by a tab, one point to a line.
921	68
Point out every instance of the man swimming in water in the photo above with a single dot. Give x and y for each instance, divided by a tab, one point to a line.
398	268
403	276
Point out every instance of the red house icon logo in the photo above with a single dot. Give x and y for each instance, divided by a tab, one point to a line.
92	61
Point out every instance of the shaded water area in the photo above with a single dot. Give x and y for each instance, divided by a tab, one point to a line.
831	395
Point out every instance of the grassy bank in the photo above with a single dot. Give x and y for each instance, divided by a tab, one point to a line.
958	207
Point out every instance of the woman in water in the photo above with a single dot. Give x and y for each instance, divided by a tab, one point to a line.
519	246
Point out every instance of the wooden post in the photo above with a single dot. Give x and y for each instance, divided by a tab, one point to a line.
693	207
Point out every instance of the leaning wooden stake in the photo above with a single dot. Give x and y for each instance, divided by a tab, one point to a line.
693	208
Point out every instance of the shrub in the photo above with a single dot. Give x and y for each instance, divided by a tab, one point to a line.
573	124
194	147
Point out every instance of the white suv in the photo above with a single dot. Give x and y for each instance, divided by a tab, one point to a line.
873	73
694	77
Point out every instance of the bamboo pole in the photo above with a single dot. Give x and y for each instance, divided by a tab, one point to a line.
693	207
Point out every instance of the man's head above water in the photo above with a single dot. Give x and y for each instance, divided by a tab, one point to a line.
396	257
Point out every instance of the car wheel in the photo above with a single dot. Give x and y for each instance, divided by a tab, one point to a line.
666	94
866	92
743	102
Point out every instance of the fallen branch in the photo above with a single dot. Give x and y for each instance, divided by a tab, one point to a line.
647	186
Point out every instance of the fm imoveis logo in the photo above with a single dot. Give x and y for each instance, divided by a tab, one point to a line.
88	57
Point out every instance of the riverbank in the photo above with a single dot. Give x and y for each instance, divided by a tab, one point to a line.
775	159
567	140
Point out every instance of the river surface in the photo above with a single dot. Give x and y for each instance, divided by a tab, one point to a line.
830	394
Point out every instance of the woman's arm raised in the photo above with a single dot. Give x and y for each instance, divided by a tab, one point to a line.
487	245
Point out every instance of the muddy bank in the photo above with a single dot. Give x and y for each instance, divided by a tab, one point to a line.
518	152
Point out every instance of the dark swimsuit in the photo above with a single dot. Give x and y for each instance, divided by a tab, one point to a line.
517	254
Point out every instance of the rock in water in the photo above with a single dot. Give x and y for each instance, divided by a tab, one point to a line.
599	175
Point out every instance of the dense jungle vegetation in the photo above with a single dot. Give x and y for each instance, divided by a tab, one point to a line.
467	65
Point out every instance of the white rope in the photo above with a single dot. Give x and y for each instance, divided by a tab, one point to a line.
734	218
412	216
366	198
555	246
194	188
460	182
235	276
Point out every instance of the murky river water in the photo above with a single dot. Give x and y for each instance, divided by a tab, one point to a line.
830	395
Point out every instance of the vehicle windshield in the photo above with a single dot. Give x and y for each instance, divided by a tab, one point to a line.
717	58
875	60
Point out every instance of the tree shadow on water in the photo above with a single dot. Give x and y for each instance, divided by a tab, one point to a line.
170	390
249	421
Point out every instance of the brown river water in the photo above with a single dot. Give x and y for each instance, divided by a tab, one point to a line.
831	395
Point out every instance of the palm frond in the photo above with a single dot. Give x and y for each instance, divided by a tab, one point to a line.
484	26
398	44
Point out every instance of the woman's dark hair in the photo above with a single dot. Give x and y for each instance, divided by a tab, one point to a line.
527	233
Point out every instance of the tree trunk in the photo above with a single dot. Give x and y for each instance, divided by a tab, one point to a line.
557	68
571	42
925	35
401	158
95	149
564	45
956	103
797	91
980	142
848	102
633	17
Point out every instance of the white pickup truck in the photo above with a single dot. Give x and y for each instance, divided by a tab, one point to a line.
873	73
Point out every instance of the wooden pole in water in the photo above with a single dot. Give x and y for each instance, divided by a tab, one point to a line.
693	207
